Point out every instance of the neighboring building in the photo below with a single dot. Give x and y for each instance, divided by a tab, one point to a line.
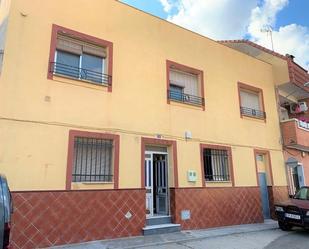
292	83
110	117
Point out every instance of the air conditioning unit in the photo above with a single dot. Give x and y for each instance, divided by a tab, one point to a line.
294	108
303	106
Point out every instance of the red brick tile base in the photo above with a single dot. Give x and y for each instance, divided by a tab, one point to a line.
277	194
50	218
214	207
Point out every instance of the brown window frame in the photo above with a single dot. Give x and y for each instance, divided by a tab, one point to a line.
245	87
174	65
56	29
230	163
86	134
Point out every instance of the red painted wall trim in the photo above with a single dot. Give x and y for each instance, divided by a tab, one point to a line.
100	42
244	86
187	69
76	133
267	154
154	141
217	147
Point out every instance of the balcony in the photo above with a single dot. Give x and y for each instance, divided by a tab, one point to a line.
245	111
185	98
83	74
295	134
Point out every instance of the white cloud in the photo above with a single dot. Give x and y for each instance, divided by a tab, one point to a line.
235	19
167	5
217	19
292	39
265	15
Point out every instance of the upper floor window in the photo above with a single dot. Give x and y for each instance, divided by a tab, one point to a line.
251	101
77	59
79	56
185	84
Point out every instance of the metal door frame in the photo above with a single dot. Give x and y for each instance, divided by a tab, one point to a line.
151	194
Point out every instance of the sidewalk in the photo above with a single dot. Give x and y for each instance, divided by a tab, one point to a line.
162	239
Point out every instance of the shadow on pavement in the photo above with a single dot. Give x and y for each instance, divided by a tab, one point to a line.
298	239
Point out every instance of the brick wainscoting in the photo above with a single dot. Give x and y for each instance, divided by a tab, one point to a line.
214	207
50	218
277	194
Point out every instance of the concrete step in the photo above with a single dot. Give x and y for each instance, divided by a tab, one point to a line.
157	220
161	229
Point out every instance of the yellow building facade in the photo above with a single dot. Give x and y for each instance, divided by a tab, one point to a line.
128	101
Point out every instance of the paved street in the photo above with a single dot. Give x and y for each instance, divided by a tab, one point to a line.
251	236
274	239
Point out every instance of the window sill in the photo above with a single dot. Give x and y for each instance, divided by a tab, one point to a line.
80	82
248	117
92	185
186	104
218	184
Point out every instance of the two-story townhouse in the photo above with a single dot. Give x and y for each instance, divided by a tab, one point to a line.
292	86
113	120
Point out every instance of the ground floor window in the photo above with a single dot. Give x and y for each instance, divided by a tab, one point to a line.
216	164
92	160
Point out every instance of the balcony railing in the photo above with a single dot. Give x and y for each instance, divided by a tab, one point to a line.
80	73
252	112
185	98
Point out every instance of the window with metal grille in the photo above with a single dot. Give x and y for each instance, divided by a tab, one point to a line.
184	87
81	60
216	165
92	160
251	101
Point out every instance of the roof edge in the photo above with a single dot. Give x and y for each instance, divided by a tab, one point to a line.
284	57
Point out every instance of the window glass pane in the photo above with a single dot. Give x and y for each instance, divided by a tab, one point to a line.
67	64
250	100
216	165
93	66
188	81
176	92
92	160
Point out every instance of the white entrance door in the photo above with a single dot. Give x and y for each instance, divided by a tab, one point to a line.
156	183
149	183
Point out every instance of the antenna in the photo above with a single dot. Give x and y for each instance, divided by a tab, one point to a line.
268	30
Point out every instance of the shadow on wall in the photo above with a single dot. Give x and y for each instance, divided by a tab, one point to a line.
3	28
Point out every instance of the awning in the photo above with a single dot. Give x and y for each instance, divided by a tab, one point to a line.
293	90
298	147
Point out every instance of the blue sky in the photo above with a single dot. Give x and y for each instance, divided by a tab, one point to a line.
296	12
237	19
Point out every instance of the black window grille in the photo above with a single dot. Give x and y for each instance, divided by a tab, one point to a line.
92	160
252	112
80	73
216	165
178	96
